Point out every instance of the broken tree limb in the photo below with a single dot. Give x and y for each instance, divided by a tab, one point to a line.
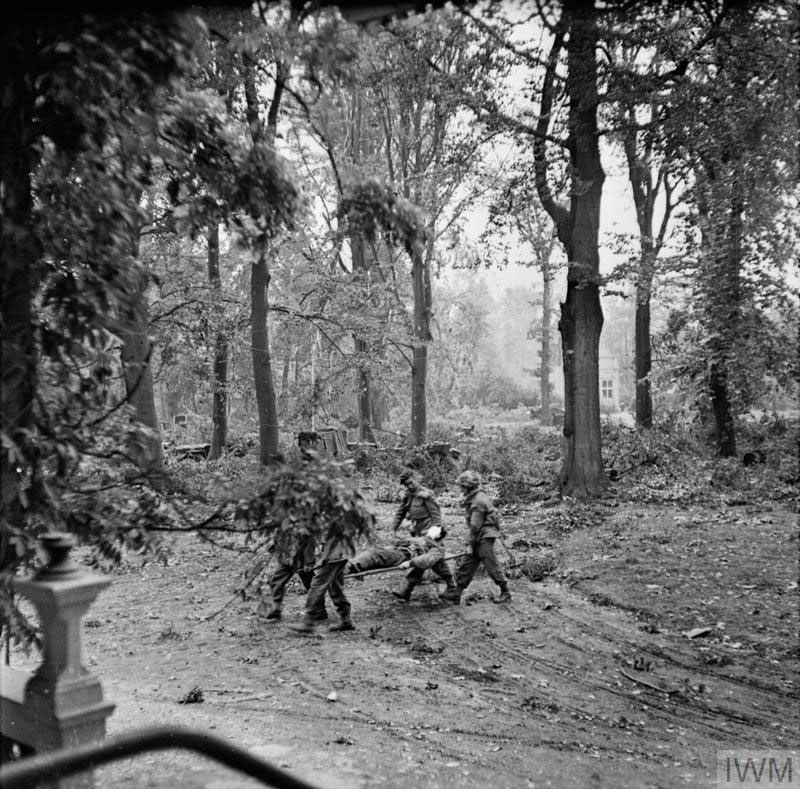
645	683
397	567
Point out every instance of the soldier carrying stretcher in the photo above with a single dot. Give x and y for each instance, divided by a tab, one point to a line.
416	554
418	505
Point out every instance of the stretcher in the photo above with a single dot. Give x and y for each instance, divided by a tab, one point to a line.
377	570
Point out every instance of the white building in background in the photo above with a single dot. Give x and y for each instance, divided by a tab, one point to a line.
609	381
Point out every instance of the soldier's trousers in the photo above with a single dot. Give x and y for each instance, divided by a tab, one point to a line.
375	558
439	569
482	551
329	578
280	578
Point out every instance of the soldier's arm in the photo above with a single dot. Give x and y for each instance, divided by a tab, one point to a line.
400	514
477	517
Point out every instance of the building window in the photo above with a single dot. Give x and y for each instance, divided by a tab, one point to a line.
607	389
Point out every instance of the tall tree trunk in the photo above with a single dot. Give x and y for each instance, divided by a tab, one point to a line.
135	354
724	431
645	192
262	364
364	395
720	217
283	396
728	294
219	376
259	272
423	299
547	297
643	353
577	227
18	285
582	473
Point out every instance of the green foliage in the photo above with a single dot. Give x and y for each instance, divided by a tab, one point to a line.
315	498
371	207
106	137
673	462
215	174
93	81
382	468
524	463
760	351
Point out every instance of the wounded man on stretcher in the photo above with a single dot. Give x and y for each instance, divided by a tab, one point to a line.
417	553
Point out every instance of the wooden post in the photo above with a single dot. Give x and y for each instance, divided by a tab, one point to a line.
60	705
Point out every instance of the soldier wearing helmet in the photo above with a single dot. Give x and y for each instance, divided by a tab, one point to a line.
418	505
483	528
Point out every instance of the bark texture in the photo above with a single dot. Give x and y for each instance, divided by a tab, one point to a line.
582	474
135	354
219	365
423	299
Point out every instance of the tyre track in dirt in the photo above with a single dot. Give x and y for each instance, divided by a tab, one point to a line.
669	708
673	656
449	705
486	714
515	679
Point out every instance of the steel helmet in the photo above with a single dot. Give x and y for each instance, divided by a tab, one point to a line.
469	479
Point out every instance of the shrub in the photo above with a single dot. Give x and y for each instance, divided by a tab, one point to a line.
523	464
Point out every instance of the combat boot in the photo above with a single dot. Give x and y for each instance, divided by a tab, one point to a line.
345	624
305	625
505	595
321	616
451	594
272	614
405	593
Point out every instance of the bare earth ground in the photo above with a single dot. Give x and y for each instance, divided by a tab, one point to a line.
585	680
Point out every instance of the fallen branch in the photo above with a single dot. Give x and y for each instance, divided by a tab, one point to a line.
254	697
643	682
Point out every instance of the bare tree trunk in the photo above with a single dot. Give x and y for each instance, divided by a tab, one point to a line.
135	354
643	352
260	275
219	377
547	297
262	364
364	393
283	397
645	192
577	227
581	321
421	286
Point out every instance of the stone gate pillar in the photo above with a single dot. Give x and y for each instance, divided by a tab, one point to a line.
62	704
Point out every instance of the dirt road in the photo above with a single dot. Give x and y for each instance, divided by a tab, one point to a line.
585	679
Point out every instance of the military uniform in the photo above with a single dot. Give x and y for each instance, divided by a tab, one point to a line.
302	563
402	549
429	557
433	560
421	508
329	577
483	529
